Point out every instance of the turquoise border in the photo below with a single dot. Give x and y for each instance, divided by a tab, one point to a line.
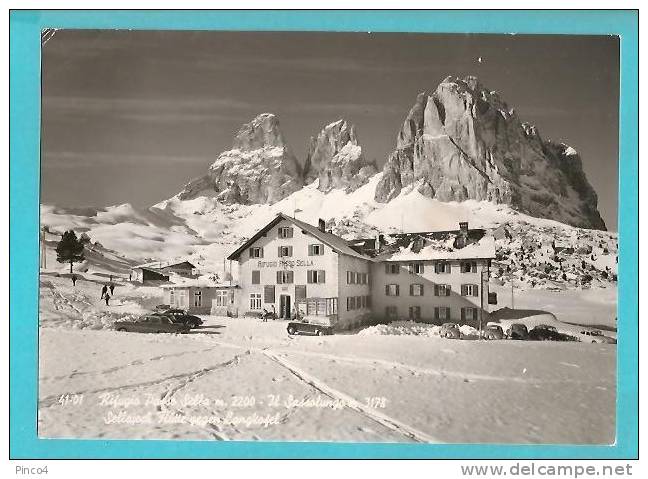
24	151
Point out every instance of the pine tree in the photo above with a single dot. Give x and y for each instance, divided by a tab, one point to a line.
69	249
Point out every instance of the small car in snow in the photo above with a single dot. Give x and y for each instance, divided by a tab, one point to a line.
517	331
597	337
544	332
493	332
450	331
152	323
181	316
302	327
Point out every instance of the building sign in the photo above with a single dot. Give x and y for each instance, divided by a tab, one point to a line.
285	263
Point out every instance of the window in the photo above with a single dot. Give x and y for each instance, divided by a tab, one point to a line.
315	249
351	303
442	267
365	278
363	301
256	277
391	312
300	292
285	232
316	276
197	299
256	252
368	301
416	289
469	290
415	312
171	297
255	301
469	314
391	268
442	290
350	277
442	312
269	293
221	297
416	268
392	290
285	277
469	266
284	251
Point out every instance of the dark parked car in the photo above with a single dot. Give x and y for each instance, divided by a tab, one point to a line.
543	332
181	316
299	327
517	331
152	323
493	331
450	331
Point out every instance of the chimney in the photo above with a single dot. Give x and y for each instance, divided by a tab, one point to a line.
463	227
321	225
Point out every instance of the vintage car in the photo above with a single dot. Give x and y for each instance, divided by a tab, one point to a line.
181	316
152	323
543	332
493	331
596	336
450	331
517	331
302	327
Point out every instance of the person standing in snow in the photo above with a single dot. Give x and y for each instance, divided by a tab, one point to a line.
74	279
112	288
107	297
104	291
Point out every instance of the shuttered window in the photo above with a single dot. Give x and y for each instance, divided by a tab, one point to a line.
416	268
256	277
315	249
285	232
300	291
285	277
469	314
416	289
392	289
391	312
269	294
441	312
284	251
391	268
316	276
469	290
414	312
442	290
469	266
256	252
442	267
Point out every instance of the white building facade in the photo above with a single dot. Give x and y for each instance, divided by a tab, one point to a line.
296	269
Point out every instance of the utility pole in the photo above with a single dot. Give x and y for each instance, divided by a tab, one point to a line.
481	299
512	304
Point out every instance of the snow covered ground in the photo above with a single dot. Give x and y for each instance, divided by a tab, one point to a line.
242	379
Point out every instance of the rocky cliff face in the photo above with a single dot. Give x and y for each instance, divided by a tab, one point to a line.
463	142
335	158
260	168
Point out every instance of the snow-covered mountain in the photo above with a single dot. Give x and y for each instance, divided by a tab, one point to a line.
462	155
462	141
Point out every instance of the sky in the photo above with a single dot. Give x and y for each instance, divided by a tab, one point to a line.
132	116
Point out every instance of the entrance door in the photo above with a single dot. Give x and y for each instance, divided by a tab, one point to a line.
284	306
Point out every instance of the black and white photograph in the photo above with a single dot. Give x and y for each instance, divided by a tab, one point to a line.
328	237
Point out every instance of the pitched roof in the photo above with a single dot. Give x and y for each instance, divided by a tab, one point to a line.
158	265
336	243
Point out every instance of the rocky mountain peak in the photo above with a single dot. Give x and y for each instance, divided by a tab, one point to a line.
260	168
462	142
335	158
262	132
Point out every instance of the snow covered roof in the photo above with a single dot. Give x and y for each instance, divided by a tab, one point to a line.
336	243
157	265
436	245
